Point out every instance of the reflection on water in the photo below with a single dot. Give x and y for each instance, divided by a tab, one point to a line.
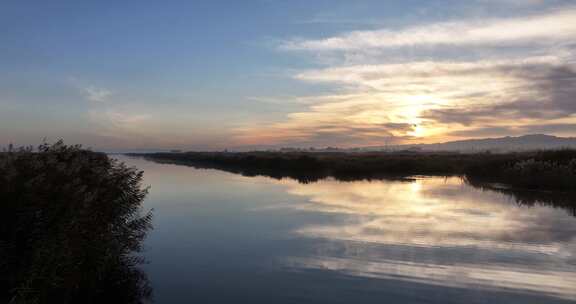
221	237
440	231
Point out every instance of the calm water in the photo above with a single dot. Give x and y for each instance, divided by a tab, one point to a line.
225	238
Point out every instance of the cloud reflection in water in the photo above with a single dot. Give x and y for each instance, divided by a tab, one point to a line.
438	231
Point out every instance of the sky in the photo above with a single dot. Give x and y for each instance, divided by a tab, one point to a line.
215	74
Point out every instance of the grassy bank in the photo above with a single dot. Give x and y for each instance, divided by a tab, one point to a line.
543	170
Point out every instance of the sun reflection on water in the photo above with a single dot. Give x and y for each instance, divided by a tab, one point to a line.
438	231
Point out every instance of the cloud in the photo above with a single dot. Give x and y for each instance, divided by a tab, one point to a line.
113	119
546	92
555	27
90	92
96	94
428	75
118	121
329	120
394	102
515	2
435	82
558	128
126	119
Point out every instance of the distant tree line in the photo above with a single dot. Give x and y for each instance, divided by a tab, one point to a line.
539	170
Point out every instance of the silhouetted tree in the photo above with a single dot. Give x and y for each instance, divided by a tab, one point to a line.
70	227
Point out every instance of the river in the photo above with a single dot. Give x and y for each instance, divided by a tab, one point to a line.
225	238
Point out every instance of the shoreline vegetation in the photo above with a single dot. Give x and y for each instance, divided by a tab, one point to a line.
529	178
72	224
71	227
553	170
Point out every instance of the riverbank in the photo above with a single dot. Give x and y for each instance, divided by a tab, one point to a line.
540	170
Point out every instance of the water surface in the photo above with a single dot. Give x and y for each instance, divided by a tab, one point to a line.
225	238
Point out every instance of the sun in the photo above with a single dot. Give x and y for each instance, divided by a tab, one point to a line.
417	131
414	105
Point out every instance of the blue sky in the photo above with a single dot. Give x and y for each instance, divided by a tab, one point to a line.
224	74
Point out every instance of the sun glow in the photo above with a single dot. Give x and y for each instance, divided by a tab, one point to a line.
415	105
418	131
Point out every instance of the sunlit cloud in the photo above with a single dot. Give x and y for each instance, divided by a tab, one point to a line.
435	82
403	102
345	121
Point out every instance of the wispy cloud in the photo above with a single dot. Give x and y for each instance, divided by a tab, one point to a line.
509	74
96	94
557	26
336	120
90	92
465	91
126	120
516	2
425	99
114	119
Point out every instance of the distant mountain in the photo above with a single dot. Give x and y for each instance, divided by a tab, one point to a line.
500	144
508	143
